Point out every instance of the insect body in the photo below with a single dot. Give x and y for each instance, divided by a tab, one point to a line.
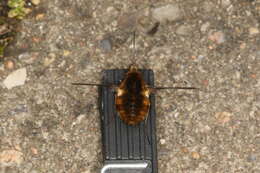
132	98
132	95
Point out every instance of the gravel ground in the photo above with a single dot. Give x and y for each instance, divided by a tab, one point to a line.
47	125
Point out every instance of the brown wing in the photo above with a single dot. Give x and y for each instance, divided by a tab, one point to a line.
132	99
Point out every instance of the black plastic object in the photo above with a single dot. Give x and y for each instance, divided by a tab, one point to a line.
123	143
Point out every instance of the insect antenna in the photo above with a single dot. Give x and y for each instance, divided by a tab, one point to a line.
185	88
133	50
90	84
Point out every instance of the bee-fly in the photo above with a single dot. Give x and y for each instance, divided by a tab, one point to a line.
132	95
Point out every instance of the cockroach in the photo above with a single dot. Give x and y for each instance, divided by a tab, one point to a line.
132	95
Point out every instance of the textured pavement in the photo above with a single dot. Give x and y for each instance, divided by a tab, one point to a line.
48	125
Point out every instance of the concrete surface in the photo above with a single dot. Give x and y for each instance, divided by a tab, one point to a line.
47	125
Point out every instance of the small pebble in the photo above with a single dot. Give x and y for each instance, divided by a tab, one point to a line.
36	2
169	12
16	78
183	30
184	150
251	158
200	57
211	47
49	60
223	117
112	11
193	57
253	76
40	16
9	64
106	45
127	21
66	52
258	54
78	120
162	141
28	57
225	3
195	155
205	82
27	10
242	45
206	128
34	150
217	37
3	28
10	157
36	39
34	171
204	27
208	6
253	31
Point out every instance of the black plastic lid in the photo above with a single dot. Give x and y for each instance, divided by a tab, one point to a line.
122	142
